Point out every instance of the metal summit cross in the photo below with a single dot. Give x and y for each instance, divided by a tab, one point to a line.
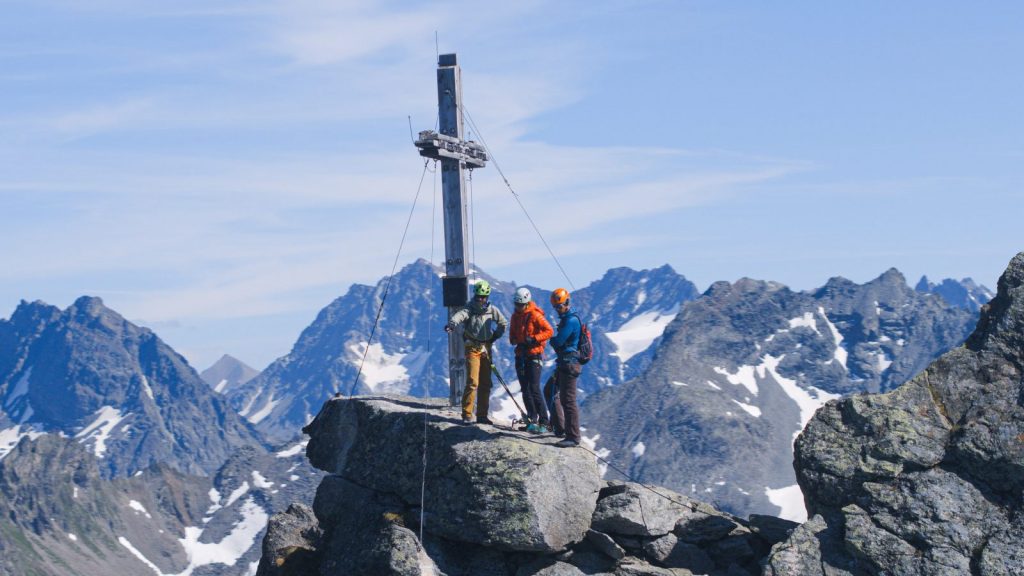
456	156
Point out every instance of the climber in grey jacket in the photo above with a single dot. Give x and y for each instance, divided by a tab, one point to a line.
482	325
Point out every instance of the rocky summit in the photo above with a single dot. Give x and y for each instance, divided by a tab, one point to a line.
926	479
412	491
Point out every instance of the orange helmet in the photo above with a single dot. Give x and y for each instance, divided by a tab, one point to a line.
559	296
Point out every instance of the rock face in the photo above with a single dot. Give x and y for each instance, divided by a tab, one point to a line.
743	368
926	479
412	491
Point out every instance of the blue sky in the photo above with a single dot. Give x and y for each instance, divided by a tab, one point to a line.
220	171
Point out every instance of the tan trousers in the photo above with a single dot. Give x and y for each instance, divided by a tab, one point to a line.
478	375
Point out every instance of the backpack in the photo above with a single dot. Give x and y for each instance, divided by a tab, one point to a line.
584	347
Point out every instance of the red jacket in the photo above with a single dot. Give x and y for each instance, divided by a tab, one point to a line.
526	323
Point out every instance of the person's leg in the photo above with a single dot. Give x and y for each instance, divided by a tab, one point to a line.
483	400
533	365
472	381
554	404
568	373
522	372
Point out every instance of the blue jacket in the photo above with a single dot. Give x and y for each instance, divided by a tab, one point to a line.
567	336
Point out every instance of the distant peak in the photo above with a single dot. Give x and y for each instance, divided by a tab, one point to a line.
892	276
92	305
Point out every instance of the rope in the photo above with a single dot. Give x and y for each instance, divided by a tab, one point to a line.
423	478
630	478
515	195
387	286
472	223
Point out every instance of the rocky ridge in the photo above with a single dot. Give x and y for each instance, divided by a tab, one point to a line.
411	491
741	370
926	479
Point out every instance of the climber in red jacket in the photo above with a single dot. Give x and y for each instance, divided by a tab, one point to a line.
529	331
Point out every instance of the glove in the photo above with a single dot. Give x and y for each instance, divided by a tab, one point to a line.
531	342
449	327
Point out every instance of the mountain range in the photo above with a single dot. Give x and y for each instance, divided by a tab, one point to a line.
115	453
116	457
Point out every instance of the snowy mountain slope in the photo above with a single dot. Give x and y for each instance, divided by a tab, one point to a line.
61	517
743	368
91	375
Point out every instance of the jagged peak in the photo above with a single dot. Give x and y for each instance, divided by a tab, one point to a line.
892	276
1001	324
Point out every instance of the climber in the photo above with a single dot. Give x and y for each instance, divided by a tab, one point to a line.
484	324
567	370
529	331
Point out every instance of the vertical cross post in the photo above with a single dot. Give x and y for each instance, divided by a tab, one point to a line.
456	156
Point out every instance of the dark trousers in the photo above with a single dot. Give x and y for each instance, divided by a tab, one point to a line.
528	371
560	390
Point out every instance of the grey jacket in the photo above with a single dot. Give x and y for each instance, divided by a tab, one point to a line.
476	318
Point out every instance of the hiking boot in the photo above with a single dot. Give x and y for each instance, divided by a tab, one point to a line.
542	429
467	421
533	429
483	420
524	427
566	443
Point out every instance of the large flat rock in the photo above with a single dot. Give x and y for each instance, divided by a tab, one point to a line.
480	484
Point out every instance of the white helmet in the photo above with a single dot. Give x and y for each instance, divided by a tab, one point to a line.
522	295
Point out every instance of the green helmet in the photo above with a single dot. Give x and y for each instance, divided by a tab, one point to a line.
482	288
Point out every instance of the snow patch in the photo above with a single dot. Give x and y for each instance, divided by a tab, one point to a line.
678	383
713	385
635	336
744	376
259	481
591	443
790	500
139	508
750	409
294	450
232	547
638	449
107	418
10	437
807	321
882	361
840	353
808	400
227	552
220	385
20	389
238	493
146	388
124	542
503	408
382	372
262	413
72	537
